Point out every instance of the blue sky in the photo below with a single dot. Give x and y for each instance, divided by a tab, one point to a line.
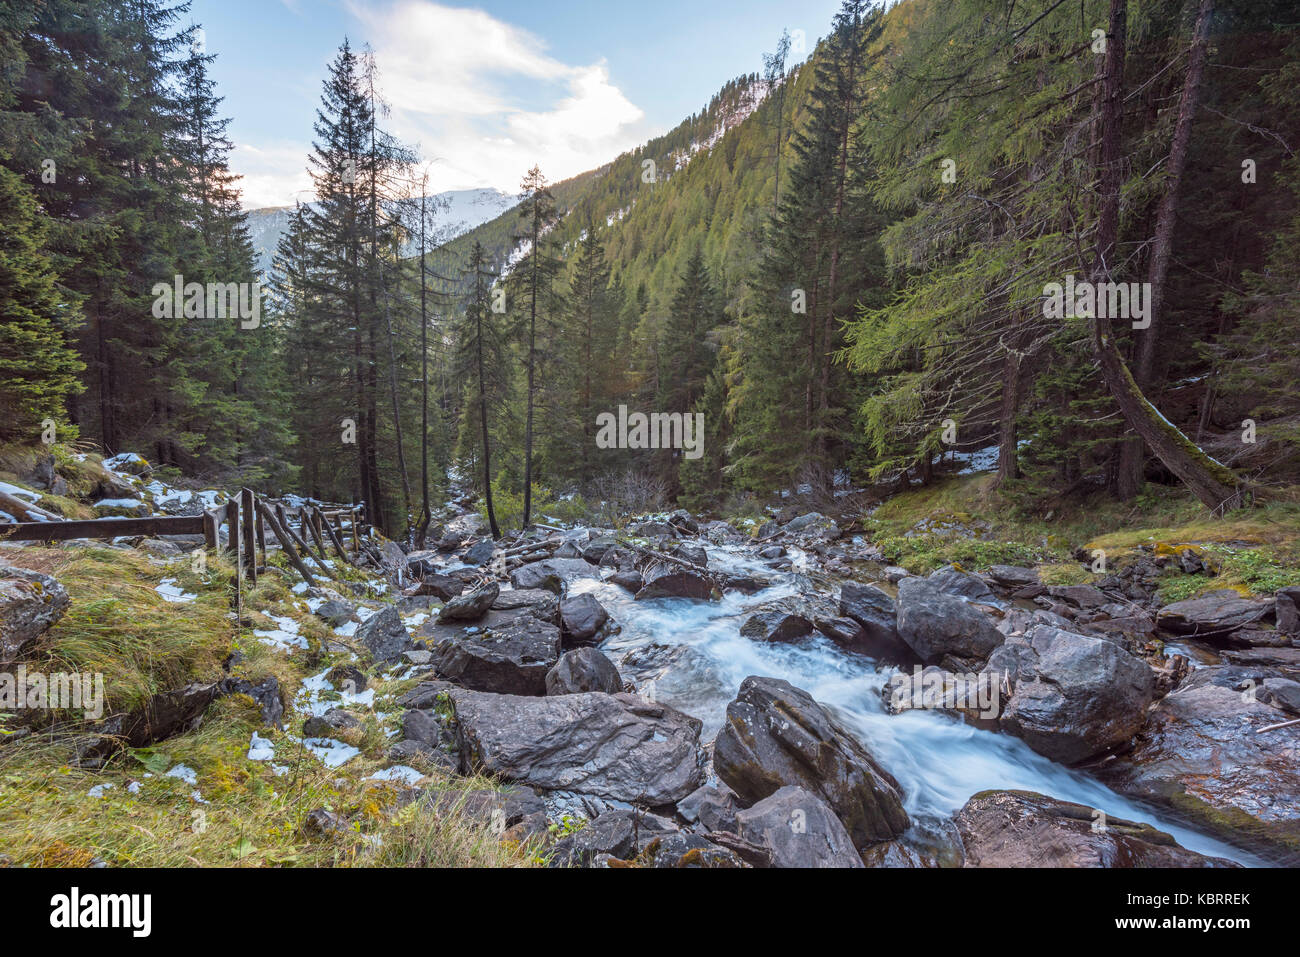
486	89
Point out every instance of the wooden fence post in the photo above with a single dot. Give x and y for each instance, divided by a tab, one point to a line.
249	550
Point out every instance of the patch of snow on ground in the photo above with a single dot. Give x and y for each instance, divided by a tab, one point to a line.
331	753
184	772
398	772
260	749
171	591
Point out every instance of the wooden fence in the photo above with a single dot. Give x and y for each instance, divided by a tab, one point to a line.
246	517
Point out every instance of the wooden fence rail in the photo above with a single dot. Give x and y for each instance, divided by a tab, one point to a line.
246	517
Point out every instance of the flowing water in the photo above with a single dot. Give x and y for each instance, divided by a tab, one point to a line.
696	657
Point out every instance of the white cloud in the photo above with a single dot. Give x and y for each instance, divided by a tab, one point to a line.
480	97
273	175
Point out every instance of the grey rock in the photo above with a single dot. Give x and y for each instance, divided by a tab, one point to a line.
1077	696
675	583
472	605
877	615
510	658
934	623
799	829
581	619
1216	613
1025	829
582	670
384	636
776	734
613	746
30	603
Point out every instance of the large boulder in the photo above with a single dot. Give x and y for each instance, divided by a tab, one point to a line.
877	615
675	583
954	581
619	747
512	657
538	602
1024	829
581	670
384	636
1216	613
549	573
799	829
581	619
1075	696
776	734
472	605
776	625
934	623
1200	756
30	603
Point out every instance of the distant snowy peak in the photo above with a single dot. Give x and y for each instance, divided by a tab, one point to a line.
453	213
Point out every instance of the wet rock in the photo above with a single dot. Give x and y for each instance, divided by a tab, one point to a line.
1281	693
953	581
568	549
679	849
630	579
1076	696
581	619
1025	829
30	603
471	606
1083	597
423	562
613	746
934	623
1287	609
776	626
549	573
845	632
675	583
594	550
1216	613
512	657
693	554
776	734
771	552
538	602
713	808
620	834
877	614
384	636
1200	757
653	529
1014	576
442	587
480	553
581	670
335	612
799	829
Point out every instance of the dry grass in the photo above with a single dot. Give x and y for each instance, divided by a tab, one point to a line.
248	814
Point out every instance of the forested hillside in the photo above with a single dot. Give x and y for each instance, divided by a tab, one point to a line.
852	268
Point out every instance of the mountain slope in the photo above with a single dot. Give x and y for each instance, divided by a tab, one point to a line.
455	211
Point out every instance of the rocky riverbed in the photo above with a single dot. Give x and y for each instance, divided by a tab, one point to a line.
677	693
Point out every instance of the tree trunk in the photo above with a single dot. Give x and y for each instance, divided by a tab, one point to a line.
1132	451
1008	468
1214	484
